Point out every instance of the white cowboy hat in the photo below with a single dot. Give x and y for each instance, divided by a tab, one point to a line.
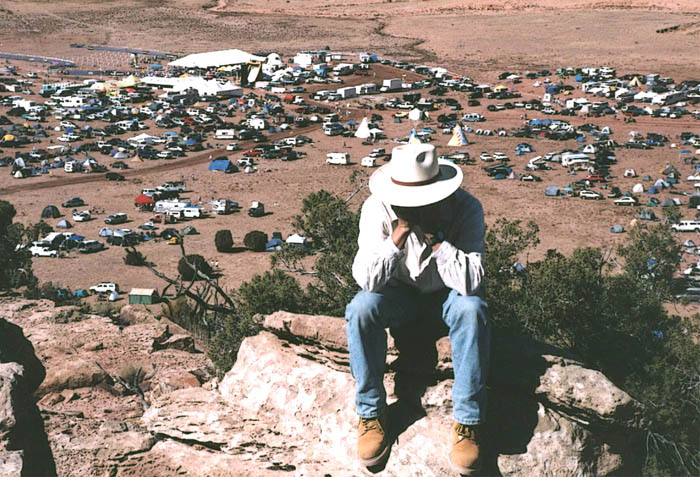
415	177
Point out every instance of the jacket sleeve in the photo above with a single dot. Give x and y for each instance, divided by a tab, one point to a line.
377	254
458	258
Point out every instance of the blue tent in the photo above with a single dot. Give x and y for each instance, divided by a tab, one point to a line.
551	191
223	165
578	78
552	88
273	245
652	190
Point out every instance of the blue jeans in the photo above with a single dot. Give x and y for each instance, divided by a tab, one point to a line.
370	313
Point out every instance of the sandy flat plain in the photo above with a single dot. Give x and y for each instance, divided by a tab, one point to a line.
475	38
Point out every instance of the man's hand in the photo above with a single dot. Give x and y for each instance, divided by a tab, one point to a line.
400	233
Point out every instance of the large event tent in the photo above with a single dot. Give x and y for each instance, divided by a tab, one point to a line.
215	59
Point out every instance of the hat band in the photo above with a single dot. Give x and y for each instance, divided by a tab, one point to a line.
419	183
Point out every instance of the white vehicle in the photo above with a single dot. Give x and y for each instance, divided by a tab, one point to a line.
486	157
173	186
83	216
42	251
378	152
694	177
338	158
192	212
225	134
149	192
590	194
368	162
473	117
223	206
499	156
232	146
72	166
163	206
686	226
67	124
105	287
625	201
332	129
574	159
68	138
165	154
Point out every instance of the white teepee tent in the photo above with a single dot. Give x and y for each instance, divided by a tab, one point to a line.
363	129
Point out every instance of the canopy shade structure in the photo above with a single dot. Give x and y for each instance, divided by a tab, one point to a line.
215	59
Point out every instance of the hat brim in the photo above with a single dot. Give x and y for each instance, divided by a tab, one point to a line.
448	181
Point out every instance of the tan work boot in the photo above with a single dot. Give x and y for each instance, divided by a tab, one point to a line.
372	443
464	455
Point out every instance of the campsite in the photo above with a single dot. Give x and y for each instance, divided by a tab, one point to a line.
138	131
255	173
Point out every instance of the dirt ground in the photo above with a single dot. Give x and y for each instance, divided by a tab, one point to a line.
475	38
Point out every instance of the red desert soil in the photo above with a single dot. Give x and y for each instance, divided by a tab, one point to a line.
477	38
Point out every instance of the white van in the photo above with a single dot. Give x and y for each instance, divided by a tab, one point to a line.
338	158
192	212
369	162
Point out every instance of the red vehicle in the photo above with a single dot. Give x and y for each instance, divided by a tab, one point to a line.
595	178
252	153
158	219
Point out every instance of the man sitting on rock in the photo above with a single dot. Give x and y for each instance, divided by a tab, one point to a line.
420	246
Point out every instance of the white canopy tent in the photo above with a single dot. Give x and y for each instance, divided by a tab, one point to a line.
215	59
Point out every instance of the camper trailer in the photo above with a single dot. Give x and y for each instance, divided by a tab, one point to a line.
369	161
163	206
225	134
192	212
391	84
338	158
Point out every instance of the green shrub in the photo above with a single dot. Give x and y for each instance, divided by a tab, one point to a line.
198	262
223	240
15	265
224	346
255	240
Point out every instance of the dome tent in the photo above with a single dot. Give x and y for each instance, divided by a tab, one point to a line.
50	212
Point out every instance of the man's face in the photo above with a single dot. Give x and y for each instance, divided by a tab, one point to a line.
426	216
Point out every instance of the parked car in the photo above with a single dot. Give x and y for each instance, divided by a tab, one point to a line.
114	176
104	287
83	216
42	251
686	226
91	246
118	218
233	146
74	202
625	201
590	195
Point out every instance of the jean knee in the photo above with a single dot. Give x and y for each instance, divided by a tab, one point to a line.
363	309
467	311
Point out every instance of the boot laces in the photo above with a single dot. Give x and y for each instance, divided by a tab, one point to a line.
370	424
465	432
